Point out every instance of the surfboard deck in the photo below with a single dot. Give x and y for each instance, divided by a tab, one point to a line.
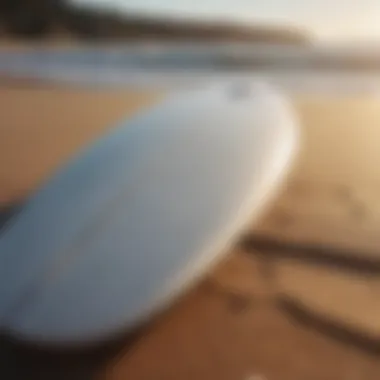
135	219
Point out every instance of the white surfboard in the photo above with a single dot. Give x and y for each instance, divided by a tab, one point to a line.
134	220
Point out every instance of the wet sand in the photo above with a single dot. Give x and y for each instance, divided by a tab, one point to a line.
230	327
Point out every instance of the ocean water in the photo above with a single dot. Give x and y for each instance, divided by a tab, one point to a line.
174	65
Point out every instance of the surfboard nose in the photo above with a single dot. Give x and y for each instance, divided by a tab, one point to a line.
140	215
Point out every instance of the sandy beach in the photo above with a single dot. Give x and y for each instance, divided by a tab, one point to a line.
331	197
42	126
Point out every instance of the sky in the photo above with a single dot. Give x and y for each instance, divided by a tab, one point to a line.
328	20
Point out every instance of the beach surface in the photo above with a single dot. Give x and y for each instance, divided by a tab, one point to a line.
229	327
42	127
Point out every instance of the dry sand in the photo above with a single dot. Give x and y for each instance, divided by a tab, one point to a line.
332	196
41	127
209	336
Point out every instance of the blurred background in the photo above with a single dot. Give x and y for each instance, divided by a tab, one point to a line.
313	43
299	299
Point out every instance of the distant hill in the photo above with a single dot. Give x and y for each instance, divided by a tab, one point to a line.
42	18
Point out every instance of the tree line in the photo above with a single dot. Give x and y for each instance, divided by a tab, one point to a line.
41	18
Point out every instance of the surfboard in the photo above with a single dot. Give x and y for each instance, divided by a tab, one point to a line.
136	218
